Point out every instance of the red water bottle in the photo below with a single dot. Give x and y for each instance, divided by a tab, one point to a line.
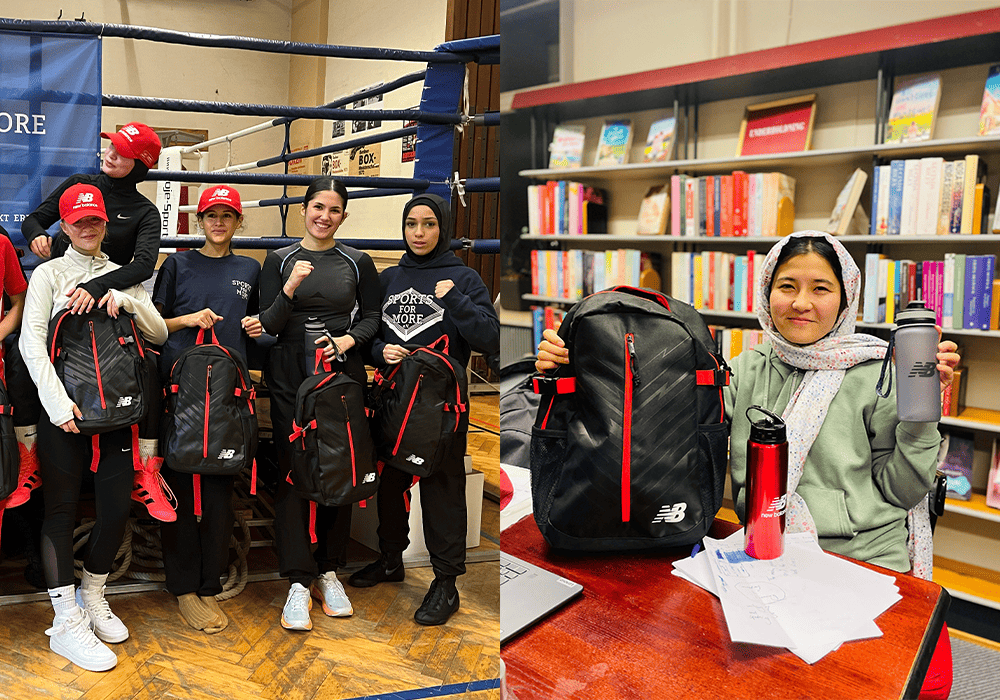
767	485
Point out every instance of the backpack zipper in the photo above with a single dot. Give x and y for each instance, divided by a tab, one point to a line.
208	403
631	381
97	366
350	441
406	418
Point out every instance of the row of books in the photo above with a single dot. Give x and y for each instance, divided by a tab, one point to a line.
716	281
960	289
929	196
561	208
739	204
730	342
573	274
545	317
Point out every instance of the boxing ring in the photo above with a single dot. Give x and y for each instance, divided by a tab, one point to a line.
442	110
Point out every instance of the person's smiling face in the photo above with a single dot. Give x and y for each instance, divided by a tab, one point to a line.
805	299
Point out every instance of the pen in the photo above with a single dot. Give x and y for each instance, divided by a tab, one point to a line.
695	549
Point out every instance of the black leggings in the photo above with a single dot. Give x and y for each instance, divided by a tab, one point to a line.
196	553
284	373
64	459
442	503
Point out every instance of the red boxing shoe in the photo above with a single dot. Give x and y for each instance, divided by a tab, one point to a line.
150	489
29	477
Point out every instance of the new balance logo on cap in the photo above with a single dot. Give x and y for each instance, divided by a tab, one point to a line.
416	460
124	401
670	513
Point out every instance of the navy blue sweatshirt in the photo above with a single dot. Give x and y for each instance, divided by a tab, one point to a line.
412	315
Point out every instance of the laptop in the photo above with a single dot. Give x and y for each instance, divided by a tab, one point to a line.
528	594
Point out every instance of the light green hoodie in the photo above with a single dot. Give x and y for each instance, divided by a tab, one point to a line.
865	469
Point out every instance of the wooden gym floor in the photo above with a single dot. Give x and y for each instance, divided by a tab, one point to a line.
380	652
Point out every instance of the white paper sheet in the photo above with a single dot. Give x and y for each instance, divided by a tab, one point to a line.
806	600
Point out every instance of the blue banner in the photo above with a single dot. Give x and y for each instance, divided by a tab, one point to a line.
50	118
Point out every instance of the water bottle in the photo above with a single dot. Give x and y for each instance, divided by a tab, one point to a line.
767	484
314	330
918	389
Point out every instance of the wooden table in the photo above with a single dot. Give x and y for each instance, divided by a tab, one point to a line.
640	632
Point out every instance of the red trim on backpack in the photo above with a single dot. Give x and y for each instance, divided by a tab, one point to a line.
627	433
97	367
312	522
562	385
208	401
53	351
548	411
196	488
406	417
136	456
350	441
95	448
253	478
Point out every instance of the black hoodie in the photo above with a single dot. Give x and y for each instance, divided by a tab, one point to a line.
412	315
133	235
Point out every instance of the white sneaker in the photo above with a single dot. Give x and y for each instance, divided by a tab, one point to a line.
106	625
328	589
72	638
295	615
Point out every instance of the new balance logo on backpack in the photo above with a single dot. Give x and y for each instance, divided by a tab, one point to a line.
416	460
124	401
369	478
227	454
628	449
670	513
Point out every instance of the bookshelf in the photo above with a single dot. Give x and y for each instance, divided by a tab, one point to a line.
853	76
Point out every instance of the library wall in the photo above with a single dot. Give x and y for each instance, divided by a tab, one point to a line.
615	38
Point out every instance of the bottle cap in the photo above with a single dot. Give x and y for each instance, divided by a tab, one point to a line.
915	313
768	431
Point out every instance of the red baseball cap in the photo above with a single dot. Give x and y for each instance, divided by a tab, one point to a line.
220	194
81	200
136	140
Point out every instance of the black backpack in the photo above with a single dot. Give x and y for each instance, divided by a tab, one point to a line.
628	450
333	457
210	424
101	362
518	407
417	408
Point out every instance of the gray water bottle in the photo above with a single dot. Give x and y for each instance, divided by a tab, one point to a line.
918	389
314	330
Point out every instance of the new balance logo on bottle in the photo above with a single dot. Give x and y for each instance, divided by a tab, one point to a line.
369	478
670	513
416	460
124	401
226	454
923	369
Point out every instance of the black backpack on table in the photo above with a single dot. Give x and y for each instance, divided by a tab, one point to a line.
210	422
629	445
417	408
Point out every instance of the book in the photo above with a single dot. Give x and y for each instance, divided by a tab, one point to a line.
881	218
944	198
660	142
895	208
908	206
986	291
653	211
739	203
876	180
566	149
616	139
955	462
957	197
958	306
677	196
975	171
847	201
913	109
989	114
928	196
993	480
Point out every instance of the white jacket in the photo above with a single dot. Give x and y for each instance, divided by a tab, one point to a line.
48	290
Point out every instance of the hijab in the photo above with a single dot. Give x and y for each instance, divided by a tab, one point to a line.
442	210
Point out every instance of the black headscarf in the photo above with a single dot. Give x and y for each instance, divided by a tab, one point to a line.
442	210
